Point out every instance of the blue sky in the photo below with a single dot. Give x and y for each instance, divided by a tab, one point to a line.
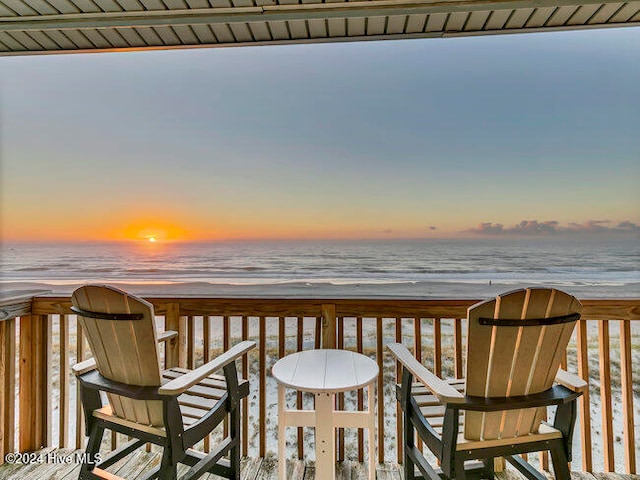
352	140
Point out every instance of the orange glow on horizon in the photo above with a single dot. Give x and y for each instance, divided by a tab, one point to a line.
178	226
150	231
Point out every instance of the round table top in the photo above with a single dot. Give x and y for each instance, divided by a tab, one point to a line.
325	370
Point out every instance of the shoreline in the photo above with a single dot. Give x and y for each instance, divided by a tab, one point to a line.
423	290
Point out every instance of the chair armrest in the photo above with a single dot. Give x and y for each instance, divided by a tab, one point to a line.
571	381
168	335
441	389
84	367
94	381
182	383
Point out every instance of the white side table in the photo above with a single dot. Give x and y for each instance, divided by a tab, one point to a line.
325	373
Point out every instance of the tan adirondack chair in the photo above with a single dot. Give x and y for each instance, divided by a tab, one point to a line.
515	344
175	408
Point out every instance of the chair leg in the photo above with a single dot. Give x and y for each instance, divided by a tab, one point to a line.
560	462
234	433
460	474
168	469
93	447
489	470
409	435
231	377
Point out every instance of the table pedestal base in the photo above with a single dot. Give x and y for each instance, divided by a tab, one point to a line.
325	420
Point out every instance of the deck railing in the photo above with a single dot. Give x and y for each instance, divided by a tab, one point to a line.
40	340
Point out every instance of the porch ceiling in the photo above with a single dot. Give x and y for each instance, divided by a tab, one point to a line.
49	26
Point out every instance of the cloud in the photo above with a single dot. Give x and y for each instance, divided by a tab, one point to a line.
431	227
387	231
627	226
592	226
489	228
552	227
533	227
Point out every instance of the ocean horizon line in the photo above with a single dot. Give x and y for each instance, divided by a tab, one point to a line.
463	236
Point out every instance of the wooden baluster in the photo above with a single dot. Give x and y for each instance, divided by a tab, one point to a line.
340	396
206	355
360	400
43	383
226	339
299	345
437	347
626	368
281	337
417	352
63	425
398	410
417	338
80	354
262	405
282	326
380	388
317	337
457	347
226	333
206	338
191	342
605	395
245	401
582	347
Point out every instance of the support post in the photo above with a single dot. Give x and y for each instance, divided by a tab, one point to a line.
176	348
7	381
35	398
328	326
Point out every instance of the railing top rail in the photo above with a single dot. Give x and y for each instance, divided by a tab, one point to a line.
393	307
14	303
10	297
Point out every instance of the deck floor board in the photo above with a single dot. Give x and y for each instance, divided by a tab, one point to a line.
134	466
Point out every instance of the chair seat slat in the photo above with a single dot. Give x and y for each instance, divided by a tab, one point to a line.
193	412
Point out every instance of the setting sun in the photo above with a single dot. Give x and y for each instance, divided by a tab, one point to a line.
150	229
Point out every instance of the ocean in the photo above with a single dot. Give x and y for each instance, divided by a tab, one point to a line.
609	266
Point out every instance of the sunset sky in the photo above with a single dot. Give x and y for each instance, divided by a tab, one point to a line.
397	139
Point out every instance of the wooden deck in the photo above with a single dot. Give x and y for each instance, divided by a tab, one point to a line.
52	464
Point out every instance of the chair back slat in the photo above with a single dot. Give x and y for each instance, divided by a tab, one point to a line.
535	305
504	342
125	350
515	360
